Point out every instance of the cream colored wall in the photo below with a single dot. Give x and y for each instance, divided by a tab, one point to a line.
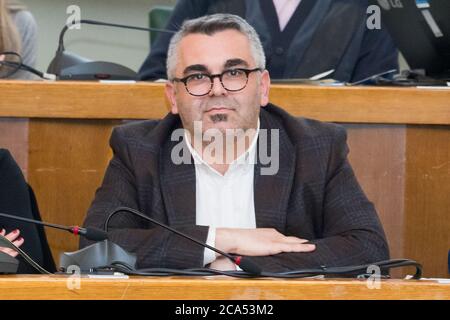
126	47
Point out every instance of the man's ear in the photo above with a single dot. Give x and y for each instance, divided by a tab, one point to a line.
170	94
265	88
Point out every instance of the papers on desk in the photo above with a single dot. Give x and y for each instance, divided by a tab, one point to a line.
438	280
116	275
435	87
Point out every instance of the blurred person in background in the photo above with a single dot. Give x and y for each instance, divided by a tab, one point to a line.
18	33
301	38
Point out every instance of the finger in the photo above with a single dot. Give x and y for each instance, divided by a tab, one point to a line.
306	247
288	247
3	232
292	239
19	242
13	235
10	252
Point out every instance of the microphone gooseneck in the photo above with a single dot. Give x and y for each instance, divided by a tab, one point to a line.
89	233
107	24
69	66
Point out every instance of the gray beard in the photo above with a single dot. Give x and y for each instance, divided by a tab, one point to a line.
218	118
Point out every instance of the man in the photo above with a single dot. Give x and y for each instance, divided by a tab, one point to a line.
301	38
308	212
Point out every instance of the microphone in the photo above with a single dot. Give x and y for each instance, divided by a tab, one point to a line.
69	66
101	253
89	233
243	262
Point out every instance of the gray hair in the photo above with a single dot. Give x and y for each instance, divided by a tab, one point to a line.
209	25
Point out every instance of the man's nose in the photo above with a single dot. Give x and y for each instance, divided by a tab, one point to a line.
217	88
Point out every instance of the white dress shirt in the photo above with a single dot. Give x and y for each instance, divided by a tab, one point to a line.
285	9
225	201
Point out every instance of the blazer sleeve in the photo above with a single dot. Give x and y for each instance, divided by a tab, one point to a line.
153	245
154	66
352	232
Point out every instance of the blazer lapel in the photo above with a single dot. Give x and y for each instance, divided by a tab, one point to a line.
272	192
178	186
302	39
253	14
332	38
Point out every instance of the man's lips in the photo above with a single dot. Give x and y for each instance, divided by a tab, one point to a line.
218	110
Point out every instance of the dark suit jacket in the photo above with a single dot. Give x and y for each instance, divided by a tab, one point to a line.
314	196
17	198
321	35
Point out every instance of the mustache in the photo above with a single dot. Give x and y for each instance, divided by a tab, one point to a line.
222	103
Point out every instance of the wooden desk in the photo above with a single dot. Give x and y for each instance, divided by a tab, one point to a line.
213	288
399	140
91	100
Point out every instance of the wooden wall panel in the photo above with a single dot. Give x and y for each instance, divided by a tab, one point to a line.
377	154
67	162
405	171
427	201
14	137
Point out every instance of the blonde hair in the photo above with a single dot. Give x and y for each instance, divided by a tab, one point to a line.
10	39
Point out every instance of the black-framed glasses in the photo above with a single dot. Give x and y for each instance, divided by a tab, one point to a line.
201	84
10	63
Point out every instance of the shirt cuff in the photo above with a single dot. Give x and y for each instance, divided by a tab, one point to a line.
209	255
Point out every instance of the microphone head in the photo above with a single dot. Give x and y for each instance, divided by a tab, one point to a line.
248	265
95	234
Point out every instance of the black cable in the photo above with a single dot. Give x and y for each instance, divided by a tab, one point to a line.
323	270
14	69
301	273
21	66
25	67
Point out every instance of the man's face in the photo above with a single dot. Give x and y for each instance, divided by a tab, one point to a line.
220	109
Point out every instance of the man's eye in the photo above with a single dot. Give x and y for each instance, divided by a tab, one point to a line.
196	77
234	73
